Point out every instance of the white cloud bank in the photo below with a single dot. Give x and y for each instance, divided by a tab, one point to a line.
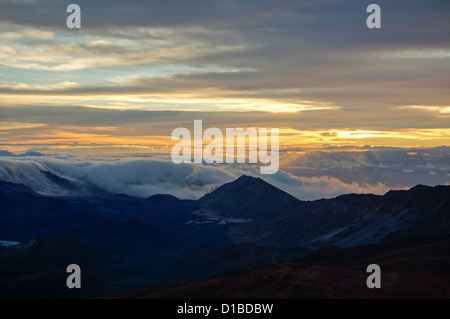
310	176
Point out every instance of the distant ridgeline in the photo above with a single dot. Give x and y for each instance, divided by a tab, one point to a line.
124	242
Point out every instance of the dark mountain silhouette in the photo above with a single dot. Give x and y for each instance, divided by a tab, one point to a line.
22	205
410	269
44	253
163	199
277	218
246	197
419	250
244	225
353	219
13	191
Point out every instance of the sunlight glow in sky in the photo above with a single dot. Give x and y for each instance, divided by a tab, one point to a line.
320	75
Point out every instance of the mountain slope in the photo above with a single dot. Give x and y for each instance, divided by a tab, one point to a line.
246	197
353	219
409	270
246	224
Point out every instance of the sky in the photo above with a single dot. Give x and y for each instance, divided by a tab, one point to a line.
352	103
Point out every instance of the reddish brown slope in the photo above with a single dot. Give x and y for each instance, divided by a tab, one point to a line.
420	269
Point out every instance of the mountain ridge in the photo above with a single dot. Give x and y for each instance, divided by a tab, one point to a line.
237	199
346	220
243	225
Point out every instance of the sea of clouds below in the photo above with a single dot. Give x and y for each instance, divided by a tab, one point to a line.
305	175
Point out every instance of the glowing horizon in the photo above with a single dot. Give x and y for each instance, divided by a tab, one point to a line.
130	82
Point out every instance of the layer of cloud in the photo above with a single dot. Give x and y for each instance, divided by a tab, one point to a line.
317	51
143	178
43	124
133	177
307	175
375	167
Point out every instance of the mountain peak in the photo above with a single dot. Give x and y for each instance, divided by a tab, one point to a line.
163	199
248	178
246	197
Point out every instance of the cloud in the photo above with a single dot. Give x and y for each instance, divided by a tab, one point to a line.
311	188
439	109
18	1
310	175
319	51
133	177
5	153
44	124
371	167
104	54
22	87
29	34
313	59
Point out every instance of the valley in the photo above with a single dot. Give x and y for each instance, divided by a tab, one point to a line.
248	226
